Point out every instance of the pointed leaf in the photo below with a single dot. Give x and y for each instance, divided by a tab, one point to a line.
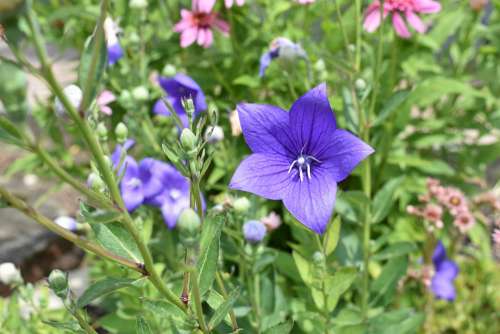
385	284
338	284
332	236
394	250
100	216
283	328
142	327
209	252
215	300
392	105
118	240
304	268
384	199
224	309
103	287
87	79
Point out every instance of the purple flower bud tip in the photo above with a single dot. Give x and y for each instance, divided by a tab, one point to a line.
445	273
254	231
66	222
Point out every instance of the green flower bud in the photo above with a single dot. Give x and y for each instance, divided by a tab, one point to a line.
121	133
140	93
138	4
360	84
96	183
188	106
319	65
318	257
102	132
241	205
188	139
188	221
169	70
58	282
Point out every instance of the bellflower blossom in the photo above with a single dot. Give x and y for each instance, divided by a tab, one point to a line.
152	182
254	231
115	51
445	273
180	87
408	8
283	48
196	25
298	156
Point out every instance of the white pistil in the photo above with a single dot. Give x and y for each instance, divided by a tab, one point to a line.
303	162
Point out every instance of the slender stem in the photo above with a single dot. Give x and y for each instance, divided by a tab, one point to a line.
223	291
342	28
80	317
102	162
358	24
325	313
85	244
198	306
378	63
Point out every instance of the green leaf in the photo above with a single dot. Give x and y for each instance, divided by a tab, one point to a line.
224	309
71	326
103	287
85	65
338	284
384	199
163	308
332	236
215	300
394	250
246	80
282	328
434	167
142	327
209	252
100	216
385	285
304	268
9	132
392	105
396	322
118	240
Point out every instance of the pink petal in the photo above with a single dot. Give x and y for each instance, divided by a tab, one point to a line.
106	110
223	26
186	14
228	3
400	25
201	36
105	97
416	22
188	37
204	5
209	38
240	2
183	25
427	6
372	20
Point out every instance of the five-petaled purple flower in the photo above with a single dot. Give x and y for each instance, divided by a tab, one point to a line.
281	47
152	182
298	156
445	273
178	88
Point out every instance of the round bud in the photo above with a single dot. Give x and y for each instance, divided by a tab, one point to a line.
318	257
241	205
319	65
9	274
188	139
95	182
188	106
189	221
121	133
140	93
66	222
214	134
169	70
360	84
102	132
254	231
58	282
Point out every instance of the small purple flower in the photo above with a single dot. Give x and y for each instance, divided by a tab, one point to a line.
66	222
254	231
178	88
298	156
115	51
446	272
281	47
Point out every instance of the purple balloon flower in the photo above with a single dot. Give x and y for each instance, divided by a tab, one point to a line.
254	231
115	52
298	156
446	272
178	88
283	48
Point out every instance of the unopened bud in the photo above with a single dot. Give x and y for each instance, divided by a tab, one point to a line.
254	231
9	274
319	65
121	133
138	4
58	283
360	85
188	139
169	70
102	132
74	95
140	93
95	182
188	224
214	134
241	205
188	106
318	257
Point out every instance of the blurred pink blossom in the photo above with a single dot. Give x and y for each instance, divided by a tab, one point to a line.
398	8
105	98
197	25
464	221
434	213
272	221
305	2
229	3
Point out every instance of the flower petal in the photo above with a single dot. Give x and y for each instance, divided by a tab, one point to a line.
204	5
266	129
171	209
415	22
312	120
372	19
131	191
443	288
427	6
150	173
342	154
115	52
312	201
400	25
265	175
447	269
188	36
265	61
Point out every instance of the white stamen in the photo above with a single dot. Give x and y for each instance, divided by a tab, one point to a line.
301	175
291	166
303	162
309	171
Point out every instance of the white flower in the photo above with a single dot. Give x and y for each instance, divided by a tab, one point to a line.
214	134
74	94
9	274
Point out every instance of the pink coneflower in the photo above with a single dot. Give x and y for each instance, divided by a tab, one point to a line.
408	8
229	3
105	98
454	200
434	213
196	25
464	221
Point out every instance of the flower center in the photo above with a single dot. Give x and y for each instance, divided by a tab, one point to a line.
134	183
204	20
175	194
303	164
401	5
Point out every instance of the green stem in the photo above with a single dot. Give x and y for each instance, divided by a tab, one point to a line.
87	245
378	64
325	313
222	288
80	317
342	28
358	24
102	162
198	305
